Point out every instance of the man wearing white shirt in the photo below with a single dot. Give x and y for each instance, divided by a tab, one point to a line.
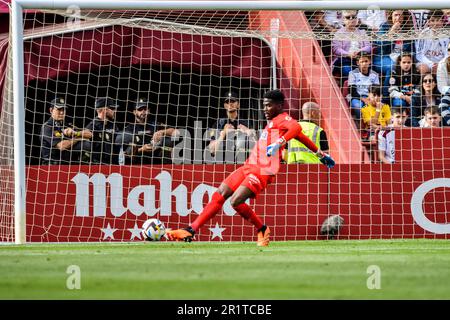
431	48
443	75
443	83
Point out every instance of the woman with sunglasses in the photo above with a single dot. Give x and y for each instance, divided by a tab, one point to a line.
429	96
443	84
348	43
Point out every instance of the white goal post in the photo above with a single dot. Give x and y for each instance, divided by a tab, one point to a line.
17	37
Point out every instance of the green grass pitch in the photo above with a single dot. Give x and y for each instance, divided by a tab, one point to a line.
409	269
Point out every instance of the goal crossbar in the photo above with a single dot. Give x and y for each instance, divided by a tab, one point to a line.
233	5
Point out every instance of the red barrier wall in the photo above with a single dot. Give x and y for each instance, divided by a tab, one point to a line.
374	200
410	199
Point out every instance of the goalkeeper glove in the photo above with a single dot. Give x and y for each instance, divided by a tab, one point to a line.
274	147
326	159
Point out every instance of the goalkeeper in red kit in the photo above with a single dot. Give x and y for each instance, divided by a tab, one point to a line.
257	172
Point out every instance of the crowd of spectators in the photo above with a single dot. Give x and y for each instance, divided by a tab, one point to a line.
390	64
406	52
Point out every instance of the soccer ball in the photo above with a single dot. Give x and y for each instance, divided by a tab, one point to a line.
153	230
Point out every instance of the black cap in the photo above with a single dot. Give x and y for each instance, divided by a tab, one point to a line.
231	95
58	103
105	102
141	102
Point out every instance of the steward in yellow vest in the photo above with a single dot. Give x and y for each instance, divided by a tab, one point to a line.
299	153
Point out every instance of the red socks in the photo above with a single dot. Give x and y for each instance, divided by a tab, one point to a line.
248	214
216	204
209	211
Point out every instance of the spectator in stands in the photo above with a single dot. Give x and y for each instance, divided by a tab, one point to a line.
386	137
359	81
62	143
347	44
403	81
443	75
104	132
325	22
426	97
386	51
376	114
297	152
371	20
446	19
443	84
145	141
231	137
333	18
432	45
432	118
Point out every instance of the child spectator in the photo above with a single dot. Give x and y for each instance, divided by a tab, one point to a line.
359	81
403	82
443	84
432	118
432	44
386	52
347	44
446	18
427	96
386	137
376	114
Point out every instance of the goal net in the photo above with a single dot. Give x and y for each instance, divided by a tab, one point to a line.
138	114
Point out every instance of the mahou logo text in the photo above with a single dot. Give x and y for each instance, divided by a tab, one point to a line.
141	199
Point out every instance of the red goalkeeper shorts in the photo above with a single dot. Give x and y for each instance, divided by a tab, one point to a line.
245	176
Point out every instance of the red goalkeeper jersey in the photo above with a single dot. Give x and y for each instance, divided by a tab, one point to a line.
281	126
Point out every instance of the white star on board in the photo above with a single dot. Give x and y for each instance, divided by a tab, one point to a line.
217	231
109	232
135	232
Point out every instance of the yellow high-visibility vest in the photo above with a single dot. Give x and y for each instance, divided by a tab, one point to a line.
298	152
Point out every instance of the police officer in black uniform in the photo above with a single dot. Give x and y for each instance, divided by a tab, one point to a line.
104	131
145	141
61	143
230	137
